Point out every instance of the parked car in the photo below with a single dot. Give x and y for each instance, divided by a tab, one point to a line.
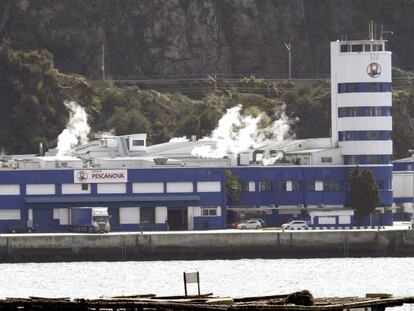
262	222
250	224
21	229
296	224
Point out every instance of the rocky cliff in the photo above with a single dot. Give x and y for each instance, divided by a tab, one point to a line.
159	37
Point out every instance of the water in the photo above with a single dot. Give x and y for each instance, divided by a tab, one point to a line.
235	278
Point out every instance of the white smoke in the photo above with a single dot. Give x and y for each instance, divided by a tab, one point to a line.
270	160
76	131
178	139
236	133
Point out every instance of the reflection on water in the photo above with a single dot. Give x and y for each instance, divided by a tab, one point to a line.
236	278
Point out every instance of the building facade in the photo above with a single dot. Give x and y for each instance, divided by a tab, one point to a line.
166	187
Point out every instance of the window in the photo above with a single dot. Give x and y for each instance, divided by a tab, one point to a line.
296	186
310	186
377	47
265	186
137	142
85	187
353	159
326	159
367	47
331	186
9	189
280	186
367	87
373	135
147	215
373	159
356	47
245	186
345	48
209	211
208	186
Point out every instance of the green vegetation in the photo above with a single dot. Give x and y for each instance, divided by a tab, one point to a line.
233	187
364	193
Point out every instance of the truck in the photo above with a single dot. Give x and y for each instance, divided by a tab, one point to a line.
89	219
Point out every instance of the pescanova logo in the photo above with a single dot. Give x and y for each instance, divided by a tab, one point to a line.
374	70
100	176
82	176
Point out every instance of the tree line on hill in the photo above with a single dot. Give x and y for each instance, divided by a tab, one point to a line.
32	92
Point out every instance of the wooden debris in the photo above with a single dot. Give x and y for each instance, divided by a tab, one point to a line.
149	302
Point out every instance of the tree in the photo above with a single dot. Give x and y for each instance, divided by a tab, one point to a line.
364	194
233	186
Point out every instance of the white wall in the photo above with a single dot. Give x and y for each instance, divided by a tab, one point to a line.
402	184
75	189
352	67
9	189
179	187
148	187
366	147
39	189
335	154
365	99
111	188
61	214
129	215
365	124
208	186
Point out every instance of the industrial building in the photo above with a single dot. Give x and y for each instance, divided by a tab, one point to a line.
168	187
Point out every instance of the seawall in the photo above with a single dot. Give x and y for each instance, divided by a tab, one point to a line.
205	245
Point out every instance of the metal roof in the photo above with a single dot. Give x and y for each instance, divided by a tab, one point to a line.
114	198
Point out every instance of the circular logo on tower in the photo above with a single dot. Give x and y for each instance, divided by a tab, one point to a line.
374	70
82	176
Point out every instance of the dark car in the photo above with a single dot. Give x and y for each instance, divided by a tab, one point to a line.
20	229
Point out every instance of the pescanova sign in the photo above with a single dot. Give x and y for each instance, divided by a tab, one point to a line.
100	176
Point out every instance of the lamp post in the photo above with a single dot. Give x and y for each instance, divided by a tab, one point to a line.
288	47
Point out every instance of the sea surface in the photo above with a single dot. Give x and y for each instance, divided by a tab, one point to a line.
235	278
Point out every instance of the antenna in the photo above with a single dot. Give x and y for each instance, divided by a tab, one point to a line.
383	32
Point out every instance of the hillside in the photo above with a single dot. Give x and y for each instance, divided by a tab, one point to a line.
156	37
51	51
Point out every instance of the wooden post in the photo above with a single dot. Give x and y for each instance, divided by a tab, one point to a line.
185	284
198	282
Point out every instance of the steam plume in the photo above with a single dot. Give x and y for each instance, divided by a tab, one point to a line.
76	131
236	133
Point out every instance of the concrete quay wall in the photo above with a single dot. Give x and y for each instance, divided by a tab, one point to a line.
205	245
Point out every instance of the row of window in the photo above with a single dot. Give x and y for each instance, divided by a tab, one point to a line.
365	87
112	188
367	159
281	186
311	186
364	135
364	112
369	47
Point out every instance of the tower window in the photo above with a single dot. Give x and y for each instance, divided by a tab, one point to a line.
367	47
357	48
345	48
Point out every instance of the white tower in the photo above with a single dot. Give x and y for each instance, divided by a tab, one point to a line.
361	101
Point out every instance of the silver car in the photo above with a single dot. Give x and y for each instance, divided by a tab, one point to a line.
250	224
296	224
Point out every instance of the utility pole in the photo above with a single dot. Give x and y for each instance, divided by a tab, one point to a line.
214	79
288	47
103	62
